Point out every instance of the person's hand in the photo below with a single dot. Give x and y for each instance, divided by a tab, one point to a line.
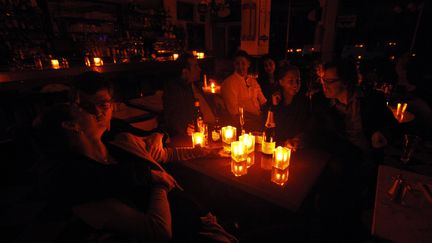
154	145
294	143
276	98
164	179
378	140
190	129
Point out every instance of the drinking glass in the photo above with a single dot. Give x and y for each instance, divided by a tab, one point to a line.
409	145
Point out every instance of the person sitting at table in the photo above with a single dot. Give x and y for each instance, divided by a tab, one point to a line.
109	186
179	96
267	78
354	126
92	91
290	107
240	90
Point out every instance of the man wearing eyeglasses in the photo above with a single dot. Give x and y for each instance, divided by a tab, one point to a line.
354	126
94	94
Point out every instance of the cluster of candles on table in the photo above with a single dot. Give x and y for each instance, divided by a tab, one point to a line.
242	153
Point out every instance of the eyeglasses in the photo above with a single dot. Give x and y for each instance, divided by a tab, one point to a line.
328	81
93	107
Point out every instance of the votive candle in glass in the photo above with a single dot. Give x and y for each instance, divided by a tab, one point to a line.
281	157
198	139
239	151
249	140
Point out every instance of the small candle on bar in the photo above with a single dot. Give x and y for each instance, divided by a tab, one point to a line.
197	139
55	64
98	61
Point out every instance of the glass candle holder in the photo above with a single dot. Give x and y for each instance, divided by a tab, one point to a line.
239	151
229	134
55	64
249	140
197	139
279	176
281	157
97	61
238	168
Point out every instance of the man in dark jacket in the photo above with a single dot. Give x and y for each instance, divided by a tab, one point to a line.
354	126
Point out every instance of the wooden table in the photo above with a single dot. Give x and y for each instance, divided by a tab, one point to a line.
305	168
410	221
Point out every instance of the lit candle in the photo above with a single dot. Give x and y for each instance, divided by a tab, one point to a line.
212	88
398	109
175	56
249	140
238	168
87	61
55	64
281	157
229	134
197	139
239	151
97	61
279	176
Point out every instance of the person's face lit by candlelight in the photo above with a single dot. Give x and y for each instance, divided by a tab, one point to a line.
241	65
269	66
290	82
331	84
99	104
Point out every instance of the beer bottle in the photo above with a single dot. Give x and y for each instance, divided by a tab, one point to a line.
198	119
268	139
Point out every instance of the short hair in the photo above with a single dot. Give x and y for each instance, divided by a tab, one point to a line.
284	69
345	69
242	53
91	82
183	61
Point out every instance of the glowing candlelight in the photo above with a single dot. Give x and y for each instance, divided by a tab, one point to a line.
98	61
249	140
398	109
229	135
175	56
55	64
197	139
239	151
250	160
281	157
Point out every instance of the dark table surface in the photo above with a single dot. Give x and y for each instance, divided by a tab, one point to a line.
305	168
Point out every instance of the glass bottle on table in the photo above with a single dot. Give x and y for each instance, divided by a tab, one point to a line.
216	131
198	119
268	140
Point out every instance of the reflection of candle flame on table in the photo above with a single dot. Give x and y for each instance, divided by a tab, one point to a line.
279	176
238	168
